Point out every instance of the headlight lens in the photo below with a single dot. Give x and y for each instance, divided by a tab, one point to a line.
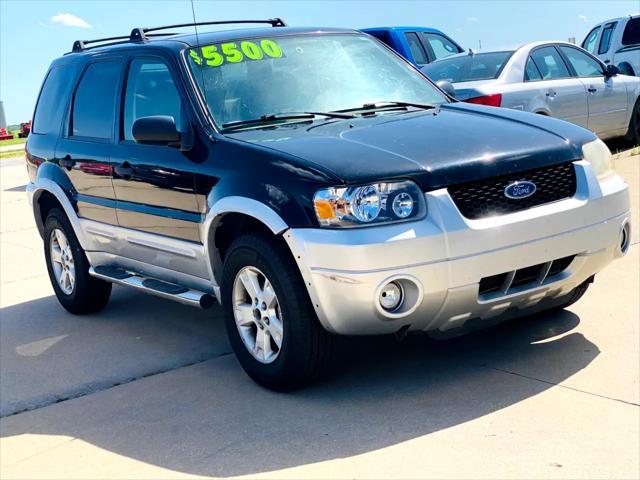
376	203
599	156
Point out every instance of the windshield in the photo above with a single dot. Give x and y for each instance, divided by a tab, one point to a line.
247	79
467	68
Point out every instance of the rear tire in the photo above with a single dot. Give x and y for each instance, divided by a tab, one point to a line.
297	350
68	267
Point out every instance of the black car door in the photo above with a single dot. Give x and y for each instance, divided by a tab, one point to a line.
154	184
84	148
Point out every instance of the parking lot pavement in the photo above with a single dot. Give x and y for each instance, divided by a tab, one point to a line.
553	396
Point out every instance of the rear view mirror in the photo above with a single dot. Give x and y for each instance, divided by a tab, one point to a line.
156	130
447	87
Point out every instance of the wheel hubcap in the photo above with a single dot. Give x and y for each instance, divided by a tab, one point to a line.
62	261
257	314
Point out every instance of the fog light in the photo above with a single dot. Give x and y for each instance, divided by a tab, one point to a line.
391	296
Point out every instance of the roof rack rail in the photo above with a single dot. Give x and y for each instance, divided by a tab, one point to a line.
140	34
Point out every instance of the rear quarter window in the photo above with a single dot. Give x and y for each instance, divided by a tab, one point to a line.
631	35
53	100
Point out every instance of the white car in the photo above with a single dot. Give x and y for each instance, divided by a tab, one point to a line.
617	42
557	79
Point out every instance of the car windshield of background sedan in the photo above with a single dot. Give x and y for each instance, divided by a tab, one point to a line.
247	79
468	68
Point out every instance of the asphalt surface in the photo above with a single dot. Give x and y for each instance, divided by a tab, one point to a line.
147	388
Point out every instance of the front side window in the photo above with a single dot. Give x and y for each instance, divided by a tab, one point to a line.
246	79
150	90
531	72
550	63
52	102
631	34
466	68
417	50
589	43
95	100
583	64
442	47
605	41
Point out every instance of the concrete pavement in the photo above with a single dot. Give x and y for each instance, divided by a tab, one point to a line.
158	396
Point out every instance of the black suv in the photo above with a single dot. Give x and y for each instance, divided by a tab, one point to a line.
314	183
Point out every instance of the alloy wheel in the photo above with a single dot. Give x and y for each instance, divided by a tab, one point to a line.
62	261
257	314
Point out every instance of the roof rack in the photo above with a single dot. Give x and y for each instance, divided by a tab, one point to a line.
141	34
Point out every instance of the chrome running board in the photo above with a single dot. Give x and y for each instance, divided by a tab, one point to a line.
153	286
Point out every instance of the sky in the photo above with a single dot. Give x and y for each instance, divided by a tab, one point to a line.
33	33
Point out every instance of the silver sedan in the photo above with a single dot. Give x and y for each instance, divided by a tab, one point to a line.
549	78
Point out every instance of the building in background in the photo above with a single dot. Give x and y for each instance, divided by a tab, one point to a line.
3	118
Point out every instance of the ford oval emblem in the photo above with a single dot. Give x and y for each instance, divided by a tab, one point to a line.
519	190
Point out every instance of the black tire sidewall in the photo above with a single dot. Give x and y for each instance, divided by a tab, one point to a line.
89	294
298	318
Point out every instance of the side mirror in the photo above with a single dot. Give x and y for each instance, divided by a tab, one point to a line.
447	87
611	71
156	130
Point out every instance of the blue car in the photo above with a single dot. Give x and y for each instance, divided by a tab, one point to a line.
419	45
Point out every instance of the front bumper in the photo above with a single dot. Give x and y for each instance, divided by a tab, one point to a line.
446	255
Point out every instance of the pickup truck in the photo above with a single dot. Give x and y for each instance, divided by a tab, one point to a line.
617	42
419	45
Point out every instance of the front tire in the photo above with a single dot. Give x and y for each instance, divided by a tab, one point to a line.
633	133
68	267
269	318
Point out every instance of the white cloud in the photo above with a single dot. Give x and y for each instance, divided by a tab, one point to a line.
583	18
69	20
473	19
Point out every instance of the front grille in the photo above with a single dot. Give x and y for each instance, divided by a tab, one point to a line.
485	198
527	276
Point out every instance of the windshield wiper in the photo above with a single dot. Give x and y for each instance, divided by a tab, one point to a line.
275	117
388	105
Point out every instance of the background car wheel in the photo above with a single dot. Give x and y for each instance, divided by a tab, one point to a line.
634	124
68	268
270	320
626	69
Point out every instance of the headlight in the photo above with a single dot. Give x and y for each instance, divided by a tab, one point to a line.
369	204
599	156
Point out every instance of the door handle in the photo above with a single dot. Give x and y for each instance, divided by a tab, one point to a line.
67	162
592	90
551	93
124	170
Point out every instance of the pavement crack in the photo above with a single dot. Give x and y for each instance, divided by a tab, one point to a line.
89	390
562	386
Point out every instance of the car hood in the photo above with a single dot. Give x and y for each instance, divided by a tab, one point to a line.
453	144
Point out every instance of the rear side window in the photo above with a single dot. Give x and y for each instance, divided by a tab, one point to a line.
605	40
417	51
383	36
150	91
549	63
441	46
589	43
531	72
631	34
95	101
53	100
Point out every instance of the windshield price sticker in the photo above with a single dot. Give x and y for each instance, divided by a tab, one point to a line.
236	52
